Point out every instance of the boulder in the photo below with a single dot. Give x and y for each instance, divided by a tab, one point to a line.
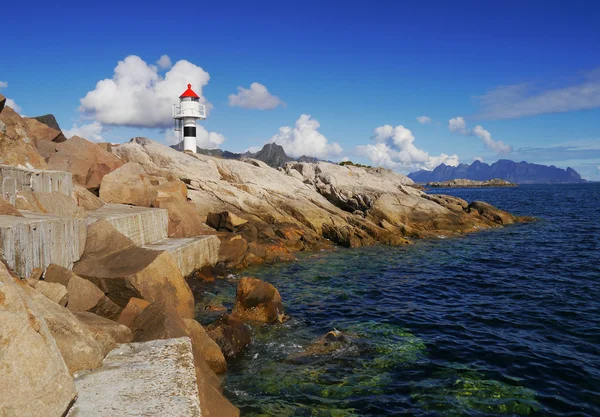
83	295
86	199
50	203
54	291
7	209
95	323
88	162
41	131
225	220
157	321
34	380
133	309
77	345
208	348
49	120
230	334
2	102
232	251
129	184
184	220
17	144
122	270
257	300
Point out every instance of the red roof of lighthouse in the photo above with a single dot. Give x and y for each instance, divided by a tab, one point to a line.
189	93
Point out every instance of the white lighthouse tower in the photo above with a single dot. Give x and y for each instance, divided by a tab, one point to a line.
185	114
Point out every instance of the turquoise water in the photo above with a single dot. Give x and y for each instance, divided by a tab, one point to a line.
501	322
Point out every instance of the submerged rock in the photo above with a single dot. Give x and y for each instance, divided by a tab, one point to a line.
257	300
230	334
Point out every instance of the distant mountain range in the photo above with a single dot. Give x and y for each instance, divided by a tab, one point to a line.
517	172
271	154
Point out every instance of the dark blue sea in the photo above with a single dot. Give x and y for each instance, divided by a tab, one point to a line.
497	323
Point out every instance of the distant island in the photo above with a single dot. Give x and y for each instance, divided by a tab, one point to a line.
464	183
516	172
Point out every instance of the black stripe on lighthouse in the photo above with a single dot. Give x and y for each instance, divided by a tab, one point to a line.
189	131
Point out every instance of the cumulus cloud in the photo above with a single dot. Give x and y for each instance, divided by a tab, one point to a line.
137	95
11	103
395	149
478	158
255	97
458	124
305	139
164	62
521	100
92	132
424	120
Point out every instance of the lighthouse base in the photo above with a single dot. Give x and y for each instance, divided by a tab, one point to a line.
189	144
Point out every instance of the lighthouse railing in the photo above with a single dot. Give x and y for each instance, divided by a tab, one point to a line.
198	111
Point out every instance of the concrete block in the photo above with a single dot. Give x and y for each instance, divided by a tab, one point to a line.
37	240
13	180
141	224
148	379
191	253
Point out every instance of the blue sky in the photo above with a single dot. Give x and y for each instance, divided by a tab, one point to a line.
524	77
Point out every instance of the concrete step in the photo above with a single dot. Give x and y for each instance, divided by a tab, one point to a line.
149	379
141	224
37	240
13	180
190	253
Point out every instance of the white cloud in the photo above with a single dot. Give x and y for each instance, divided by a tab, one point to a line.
424	120
394	149
256	97
3	84
138	96
91	132
164	62
457	124
478	158
11	103
497	146
305	139
521	100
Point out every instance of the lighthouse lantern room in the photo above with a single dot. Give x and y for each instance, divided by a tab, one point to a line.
185	114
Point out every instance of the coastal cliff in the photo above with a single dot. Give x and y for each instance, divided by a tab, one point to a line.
148	216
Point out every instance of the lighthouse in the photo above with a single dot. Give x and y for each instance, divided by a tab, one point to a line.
185	114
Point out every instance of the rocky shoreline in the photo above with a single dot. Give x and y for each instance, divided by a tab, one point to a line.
464	183
96	241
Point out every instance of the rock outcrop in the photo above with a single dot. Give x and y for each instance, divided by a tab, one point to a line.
320	202
257	300
34	380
